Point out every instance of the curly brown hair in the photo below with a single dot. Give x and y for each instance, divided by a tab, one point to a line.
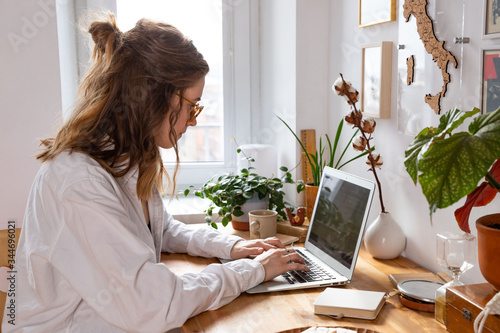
125	96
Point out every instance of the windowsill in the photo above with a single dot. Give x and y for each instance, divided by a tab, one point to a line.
188	209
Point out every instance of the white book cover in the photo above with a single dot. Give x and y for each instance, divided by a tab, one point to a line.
350	303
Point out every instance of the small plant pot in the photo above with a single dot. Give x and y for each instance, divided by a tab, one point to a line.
488	248
239	225
241	222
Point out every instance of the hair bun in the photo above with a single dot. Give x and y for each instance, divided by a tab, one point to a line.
106	35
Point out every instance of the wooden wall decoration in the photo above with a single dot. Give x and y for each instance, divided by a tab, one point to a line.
376	76
410	66
440	55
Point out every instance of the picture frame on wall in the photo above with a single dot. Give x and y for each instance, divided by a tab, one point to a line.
490	79
491	19
376	73
376	11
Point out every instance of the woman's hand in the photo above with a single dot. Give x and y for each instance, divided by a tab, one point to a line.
271	253
254	247
278	261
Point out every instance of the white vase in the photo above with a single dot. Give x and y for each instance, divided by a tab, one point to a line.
384	238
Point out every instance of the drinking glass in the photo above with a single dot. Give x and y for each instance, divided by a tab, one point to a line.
456	253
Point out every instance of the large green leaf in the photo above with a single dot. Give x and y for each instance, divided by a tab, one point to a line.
413	152
450	167
447	123
454	118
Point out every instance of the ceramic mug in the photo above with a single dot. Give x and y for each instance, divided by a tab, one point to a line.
263	223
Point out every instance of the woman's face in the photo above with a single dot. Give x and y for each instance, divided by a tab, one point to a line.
193	94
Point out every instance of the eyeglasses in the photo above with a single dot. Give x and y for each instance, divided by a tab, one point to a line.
196	110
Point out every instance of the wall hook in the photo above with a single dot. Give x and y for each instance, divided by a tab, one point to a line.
461	40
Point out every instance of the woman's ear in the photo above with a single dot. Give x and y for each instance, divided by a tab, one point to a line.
176	99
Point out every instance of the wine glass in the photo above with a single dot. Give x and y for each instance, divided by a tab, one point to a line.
456	253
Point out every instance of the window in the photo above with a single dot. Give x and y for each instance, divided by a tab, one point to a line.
201	21
221	30
226	33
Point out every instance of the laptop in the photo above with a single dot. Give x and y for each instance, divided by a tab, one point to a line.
334	237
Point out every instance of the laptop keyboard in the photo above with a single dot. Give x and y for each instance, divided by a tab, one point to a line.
316	273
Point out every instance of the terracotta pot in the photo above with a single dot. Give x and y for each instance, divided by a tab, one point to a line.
310	198
237	225
488	248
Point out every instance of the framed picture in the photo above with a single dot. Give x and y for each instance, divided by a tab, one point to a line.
376	72
376	11
491	19
490	79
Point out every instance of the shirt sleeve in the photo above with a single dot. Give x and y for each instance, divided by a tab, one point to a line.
99	254
205	241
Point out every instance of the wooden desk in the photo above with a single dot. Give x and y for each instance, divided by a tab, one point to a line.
282	311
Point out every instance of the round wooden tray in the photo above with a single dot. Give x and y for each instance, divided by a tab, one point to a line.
302	329
419	289
418	294
416	304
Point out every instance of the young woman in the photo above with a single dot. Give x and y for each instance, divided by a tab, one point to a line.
88	259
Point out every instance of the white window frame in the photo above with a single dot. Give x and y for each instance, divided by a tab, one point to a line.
241	76
241	97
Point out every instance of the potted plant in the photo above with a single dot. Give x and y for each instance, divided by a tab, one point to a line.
321	158
450	165
229	192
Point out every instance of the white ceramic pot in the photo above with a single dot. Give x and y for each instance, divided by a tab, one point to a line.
252	204
384	238
241	222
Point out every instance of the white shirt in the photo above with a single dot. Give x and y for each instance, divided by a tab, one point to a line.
87	262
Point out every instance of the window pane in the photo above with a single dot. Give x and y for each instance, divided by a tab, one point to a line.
201	21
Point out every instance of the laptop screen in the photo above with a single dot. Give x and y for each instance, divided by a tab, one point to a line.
339	216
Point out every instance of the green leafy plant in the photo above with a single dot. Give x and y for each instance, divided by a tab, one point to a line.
449	165
230	191
320	158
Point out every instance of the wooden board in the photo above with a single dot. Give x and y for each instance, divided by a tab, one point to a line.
228	230
284	239
284	227
308	138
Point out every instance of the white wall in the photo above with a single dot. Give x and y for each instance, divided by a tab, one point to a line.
293	75
295	86
277	70
402	198
277	88
30	89
30	96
